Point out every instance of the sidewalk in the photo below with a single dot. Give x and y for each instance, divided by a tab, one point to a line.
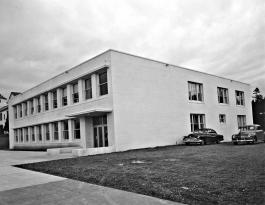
24	187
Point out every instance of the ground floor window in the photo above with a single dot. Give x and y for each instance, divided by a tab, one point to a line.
222	118
197	121
32	134
47	132
100	130
21	135
76	129
55	131
241	120
65	130
16	135
39	132
26	134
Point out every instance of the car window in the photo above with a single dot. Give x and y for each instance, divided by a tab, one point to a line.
251	128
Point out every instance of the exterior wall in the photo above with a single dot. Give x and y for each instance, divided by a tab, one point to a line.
152	107
75	74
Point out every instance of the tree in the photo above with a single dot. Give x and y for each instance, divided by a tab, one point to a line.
256	95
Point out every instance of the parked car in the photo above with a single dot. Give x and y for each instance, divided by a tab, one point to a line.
249	134
203	136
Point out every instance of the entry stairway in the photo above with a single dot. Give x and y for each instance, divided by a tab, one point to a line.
78	151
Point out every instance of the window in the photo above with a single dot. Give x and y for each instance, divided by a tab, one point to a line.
88	89
65	130
54	99
103	83
38	105
75	93
195	91
241	120
20	110
222	118
26	134
16	135
25	109
15	112
1	118
64	97
76	129
240	100
197	121
39	132
55	131
222	95
46	102
47	132
21	135
32	134
31	107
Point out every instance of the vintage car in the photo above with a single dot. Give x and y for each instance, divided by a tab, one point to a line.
203	136
249	134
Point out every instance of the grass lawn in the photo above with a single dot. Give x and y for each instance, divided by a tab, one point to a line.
210	174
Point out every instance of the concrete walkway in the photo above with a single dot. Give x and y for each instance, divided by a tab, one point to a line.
24	187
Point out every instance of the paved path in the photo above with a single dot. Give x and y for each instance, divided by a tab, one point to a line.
23	187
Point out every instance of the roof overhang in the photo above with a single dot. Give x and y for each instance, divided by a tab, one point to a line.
91	112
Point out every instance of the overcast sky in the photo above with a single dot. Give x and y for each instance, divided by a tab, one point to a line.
42	38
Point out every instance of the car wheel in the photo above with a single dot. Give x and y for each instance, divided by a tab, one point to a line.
235	143
203	142
187	143
217	142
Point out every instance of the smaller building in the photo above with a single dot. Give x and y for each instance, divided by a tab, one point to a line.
258	108
3	113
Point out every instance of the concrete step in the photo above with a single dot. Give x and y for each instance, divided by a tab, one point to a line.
61	150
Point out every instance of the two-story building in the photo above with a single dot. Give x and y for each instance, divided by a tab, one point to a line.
118	101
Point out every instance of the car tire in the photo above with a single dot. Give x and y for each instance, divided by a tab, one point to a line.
203	142
217	142
187	143
235	143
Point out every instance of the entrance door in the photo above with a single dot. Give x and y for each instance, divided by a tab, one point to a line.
100	130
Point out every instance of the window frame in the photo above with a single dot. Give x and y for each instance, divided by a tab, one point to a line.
201	121
222	118
195	89
240	99
75	94
88	89
103	84
222	93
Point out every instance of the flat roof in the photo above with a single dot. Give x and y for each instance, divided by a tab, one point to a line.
125	53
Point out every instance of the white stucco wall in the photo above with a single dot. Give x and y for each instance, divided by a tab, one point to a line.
62	113
151	102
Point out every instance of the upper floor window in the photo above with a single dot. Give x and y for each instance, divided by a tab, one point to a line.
38	104
88	88
15	112
75	93
240	99
31	107
64	96
195	91
76	129
54	99
20	110
21	135
197	121
25	109
103	83
46	102
222	95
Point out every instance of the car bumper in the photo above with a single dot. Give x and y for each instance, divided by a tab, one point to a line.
193	141
243	140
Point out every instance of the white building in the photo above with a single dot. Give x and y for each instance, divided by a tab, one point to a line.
117	101
3	113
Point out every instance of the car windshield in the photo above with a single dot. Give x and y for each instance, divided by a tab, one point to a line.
248	128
